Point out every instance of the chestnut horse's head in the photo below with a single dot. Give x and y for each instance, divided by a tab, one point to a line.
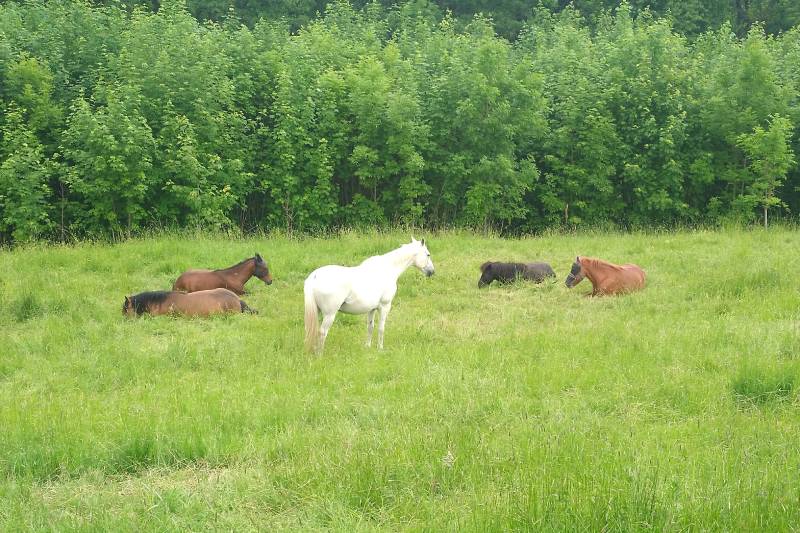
262	270
576	275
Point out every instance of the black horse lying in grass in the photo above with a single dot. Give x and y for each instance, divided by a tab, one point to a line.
507	272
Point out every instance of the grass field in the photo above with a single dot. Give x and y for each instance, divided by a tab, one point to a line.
519	407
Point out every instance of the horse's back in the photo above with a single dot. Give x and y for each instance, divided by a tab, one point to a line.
211	301
329	283
633	277
636	269
329	274
349	289
540	270
198	280
220	292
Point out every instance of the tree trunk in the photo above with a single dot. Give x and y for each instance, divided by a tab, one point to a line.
765	217
63	201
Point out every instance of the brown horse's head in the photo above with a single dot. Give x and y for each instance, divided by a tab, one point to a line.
576	275
262	270
140	303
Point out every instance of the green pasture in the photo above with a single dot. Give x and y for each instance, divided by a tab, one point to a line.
514	407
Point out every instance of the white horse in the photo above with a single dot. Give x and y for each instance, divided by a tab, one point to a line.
366	288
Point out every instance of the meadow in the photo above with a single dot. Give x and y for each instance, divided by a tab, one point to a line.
527	407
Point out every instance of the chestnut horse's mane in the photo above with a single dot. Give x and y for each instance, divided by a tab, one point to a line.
594	263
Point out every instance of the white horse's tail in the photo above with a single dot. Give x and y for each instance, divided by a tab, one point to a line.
312	323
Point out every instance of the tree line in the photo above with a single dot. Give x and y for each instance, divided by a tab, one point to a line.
117	118
689	17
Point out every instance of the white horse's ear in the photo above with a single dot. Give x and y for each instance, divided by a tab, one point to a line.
422	242
413	240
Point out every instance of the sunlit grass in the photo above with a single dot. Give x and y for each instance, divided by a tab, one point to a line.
512	407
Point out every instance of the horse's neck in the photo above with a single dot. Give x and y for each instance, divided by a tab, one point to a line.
243	270
394	263
599	270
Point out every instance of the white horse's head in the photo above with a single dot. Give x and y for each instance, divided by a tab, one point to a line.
422	257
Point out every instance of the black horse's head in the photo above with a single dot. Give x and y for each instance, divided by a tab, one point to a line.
262	270
487	275
127	306
576	275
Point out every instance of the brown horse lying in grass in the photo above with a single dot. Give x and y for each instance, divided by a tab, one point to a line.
200	303
606	278
231	278
506	272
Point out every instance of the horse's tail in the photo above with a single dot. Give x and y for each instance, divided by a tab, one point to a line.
312	324
246	308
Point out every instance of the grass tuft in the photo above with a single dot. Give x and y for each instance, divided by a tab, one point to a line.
758	386
26	307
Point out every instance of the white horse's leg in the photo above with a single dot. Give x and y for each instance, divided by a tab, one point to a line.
384	309
327	322
370	325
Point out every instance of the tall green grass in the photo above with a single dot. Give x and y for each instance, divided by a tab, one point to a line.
524	407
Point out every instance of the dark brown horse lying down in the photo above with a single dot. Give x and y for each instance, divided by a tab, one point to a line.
231	278
200	303
506	272
606	278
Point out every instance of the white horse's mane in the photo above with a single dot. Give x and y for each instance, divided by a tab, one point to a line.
403	248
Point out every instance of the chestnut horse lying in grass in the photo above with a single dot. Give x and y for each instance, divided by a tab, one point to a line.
606	278
506	272
200	303
231	278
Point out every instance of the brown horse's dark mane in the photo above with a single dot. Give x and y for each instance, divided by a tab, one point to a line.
142	301
237	265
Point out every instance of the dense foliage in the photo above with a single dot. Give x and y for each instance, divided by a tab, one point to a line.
690	17
115	118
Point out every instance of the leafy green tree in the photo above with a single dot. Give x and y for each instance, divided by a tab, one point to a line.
740	91
109	154
577	155
297	172
769	159
486	112
389	135
24	175
188	100
29	84
646	68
